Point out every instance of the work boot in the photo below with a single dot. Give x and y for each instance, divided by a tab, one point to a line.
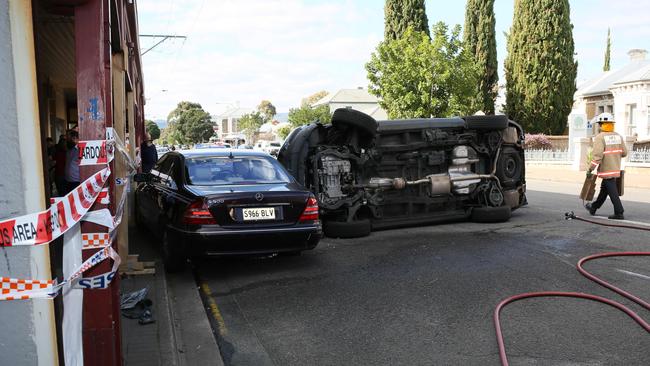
591	209
616	217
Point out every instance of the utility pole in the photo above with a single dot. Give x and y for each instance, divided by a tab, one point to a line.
164	38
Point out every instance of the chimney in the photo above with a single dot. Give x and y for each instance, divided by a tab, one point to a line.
637	54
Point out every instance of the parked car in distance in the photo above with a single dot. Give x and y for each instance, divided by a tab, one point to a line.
245	147
372	175
212	145
269	147
162	150
223	202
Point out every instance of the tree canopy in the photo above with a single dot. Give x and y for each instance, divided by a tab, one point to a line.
310	100
480	43
152	129
266	110
306	115
417	77
540	68
608	51
188	123
402	14
250	124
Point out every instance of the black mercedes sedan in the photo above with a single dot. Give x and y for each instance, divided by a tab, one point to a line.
223	202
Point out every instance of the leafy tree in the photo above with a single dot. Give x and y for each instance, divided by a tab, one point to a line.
480	42
189	123
152	129
250	123
267	110
284	131
306	115
540	68
401	14
418	77
310	100
608	51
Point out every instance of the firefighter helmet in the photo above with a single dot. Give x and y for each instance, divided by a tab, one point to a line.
605	117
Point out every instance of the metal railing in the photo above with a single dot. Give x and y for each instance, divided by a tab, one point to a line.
546	155
639	156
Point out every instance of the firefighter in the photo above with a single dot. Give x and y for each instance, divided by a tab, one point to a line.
609	148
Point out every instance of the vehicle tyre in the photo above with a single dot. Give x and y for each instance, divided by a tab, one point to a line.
356	119
293	253
139	220
486	123
488	214
173	255
365	125
510	167
354	229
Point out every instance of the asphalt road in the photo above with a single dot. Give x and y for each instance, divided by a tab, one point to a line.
425	295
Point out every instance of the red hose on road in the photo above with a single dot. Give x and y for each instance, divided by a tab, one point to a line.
607	284
579	295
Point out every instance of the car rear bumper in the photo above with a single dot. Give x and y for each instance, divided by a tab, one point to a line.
248	241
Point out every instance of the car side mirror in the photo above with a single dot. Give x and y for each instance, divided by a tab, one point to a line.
142	177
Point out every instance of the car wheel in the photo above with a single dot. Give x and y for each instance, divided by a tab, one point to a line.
139	221
293	253
486	123
363	123
354	229
510	167
488	214
173	256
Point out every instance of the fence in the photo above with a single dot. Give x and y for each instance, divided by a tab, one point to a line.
639	156
547	155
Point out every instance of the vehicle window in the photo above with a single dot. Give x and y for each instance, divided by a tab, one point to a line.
163	172
224	170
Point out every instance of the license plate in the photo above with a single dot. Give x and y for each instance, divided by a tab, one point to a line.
262	213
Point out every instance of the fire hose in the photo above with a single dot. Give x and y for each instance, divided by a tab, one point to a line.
571	216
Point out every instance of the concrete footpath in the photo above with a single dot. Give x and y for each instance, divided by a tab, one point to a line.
182	334
561	179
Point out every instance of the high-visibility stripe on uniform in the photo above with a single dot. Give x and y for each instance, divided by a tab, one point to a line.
609	173
617	151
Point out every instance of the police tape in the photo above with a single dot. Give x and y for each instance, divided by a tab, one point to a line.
23	289
45	226
95	152
104	197
119	144
19	289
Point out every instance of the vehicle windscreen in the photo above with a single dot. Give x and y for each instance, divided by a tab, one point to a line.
224	170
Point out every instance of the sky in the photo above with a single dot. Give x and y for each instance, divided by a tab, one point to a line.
241	52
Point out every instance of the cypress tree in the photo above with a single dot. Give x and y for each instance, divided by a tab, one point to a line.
608	50
540	69
400	14
480	42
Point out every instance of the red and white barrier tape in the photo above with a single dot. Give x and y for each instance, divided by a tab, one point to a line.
96	152
45	226
103	197
63	214
18	289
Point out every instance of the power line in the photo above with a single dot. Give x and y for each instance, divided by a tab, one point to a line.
164	38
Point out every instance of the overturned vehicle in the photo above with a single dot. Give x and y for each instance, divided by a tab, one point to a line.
371	174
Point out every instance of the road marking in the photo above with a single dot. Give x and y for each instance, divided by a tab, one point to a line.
634	274
214	309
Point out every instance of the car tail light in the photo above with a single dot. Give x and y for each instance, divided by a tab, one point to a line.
197	213
311	210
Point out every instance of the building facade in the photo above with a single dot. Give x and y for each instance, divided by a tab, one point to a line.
226	122
358	99
64	65
623	92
